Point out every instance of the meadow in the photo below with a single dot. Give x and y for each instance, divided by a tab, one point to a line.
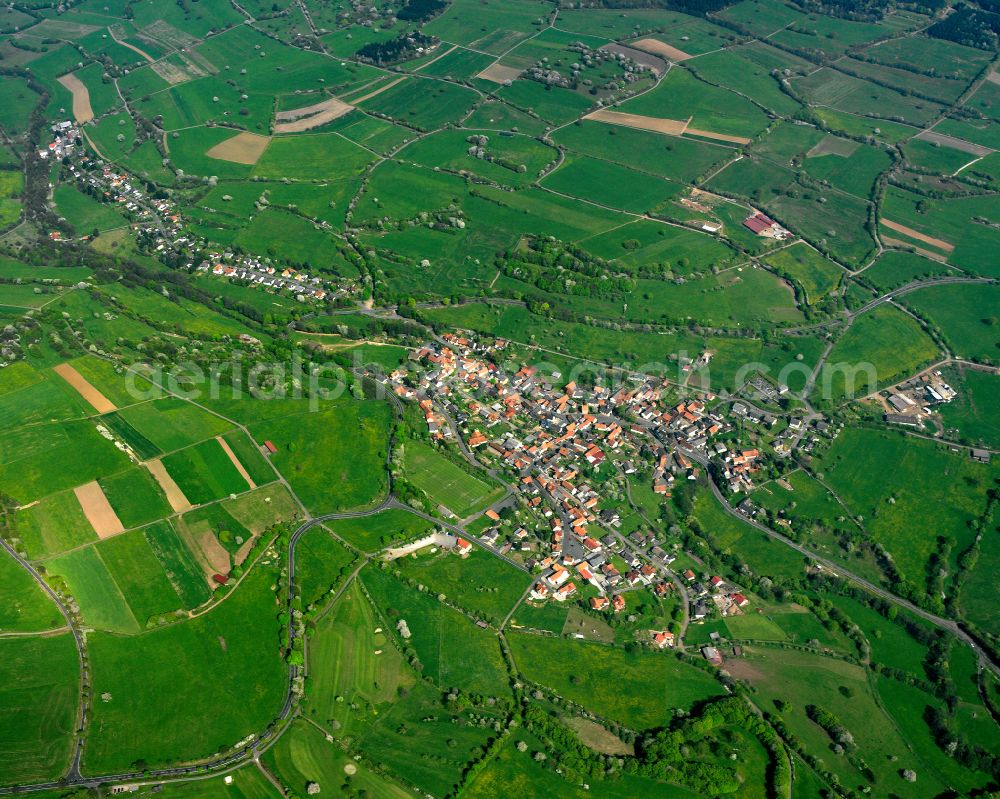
453	651
157	716
640	690
908	491
885	339
204	472
481	583
372	533
965	315
974	414
38	699
334	459
24	607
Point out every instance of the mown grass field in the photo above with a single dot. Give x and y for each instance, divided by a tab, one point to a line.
157	715
24	607
445	482
39	690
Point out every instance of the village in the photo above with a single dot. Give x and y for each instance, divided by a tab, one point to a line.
561	447
164	232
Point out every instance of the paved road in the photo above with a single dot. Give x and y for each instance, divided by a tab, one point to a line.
837	569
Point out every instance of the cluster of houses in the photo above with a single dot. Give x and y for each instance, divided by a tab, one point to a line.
727	599
558	441
161	219
64	141
255	271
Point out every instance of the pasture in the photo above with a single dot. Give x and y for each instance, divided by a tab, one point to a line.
156	715
481	583
908	491
816	275
640	690
882	347
453	651
966	317
303	756
24	607
334	459
204	472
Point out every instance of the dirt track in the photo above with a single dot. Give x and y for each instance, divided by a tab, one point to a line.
97	400
82	111
98	510
378	91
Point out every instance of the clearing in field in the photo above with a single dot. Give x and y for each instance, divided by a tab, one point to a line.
82	112
98	510
97	400
243	148
236	461
916	234
312	116
499	73
178	502
657	47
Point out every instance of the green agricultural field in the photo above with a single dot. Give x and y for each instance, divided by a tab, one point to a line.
24	606
172	424
204	472
447	484
974	414
494	26
801	679
640	690
895	269
882	347
807	268
139	575
53	525
303	756
452	650
120	386
909	492
40	460
966	317
681	95
249	454
335	458
156	715
481	583
951	225
372	533
39	691
178	563
321	565
355	671
611	185
135	497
